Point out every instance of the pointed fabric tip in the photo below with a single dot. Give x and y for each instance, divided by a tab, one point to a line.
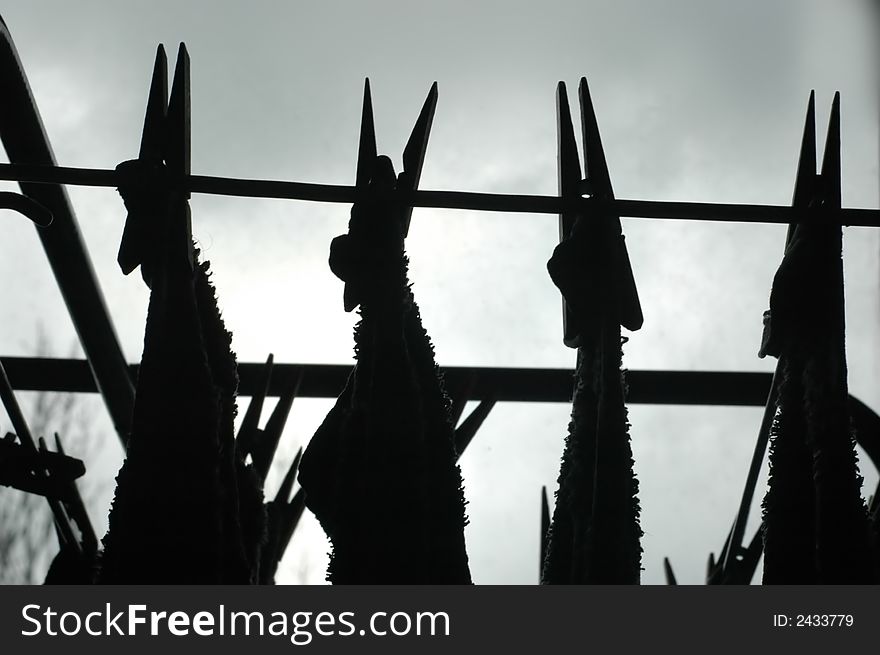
831	158
366	158
152	136
595	166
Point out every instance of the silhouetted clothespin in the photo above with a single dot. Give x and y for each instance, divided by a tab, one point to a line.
595	532
38	472
263	451
807	185
590	265
380	194
261	444
793	285
284	513
250	424
76	510
73	511
735	565
152	186
814	474
41	475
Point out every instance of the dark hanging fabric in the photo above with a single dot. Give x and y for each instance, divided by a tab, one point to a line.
241	498
815	519
253	518
594	535
174	518
789	529
380	473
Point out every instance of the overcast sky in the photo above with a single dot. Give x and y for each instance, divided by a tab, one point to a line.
696	100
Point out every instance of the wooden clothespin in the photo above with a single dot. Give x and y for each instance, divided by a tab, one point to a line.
730	562
284	513
261	444
152	185
38	471
379	189
813	192
604	275
249	431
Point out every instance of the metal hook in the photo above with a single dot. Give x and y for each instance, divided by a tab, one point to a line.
27	207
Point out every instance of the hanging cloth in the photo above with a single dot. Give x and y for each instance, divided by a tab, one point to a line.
175	515
594	535
815	519
380	473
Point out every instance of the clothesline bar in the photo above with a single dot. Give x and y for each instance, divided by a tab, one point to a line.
461	200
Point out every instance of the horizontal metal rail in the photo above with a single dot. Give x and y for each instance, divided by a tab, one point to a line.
495	202
503	384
